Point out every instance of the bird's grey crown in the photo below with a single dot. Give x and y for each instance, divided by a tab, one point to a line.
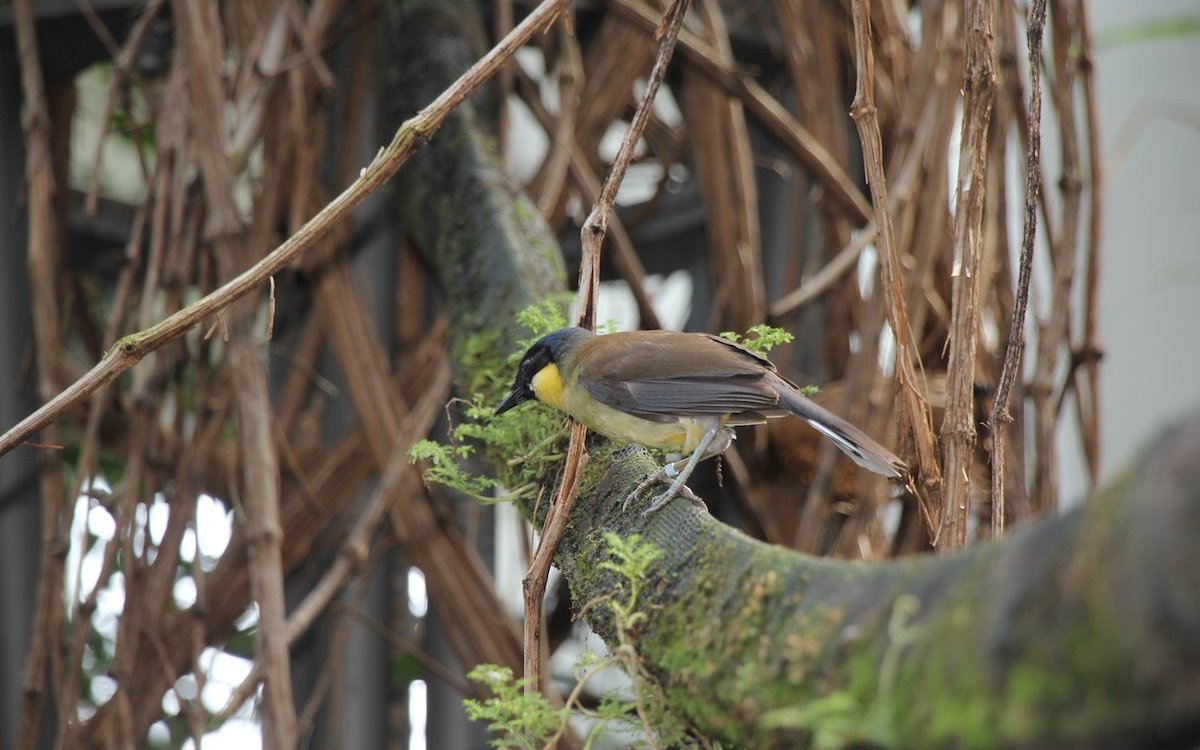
557	341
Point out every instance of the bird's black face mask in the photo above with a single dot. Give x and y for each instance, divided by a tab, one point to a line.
532	363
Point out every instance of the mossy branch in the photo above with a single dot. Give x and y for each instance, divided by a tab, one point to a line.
1075	631
1079	630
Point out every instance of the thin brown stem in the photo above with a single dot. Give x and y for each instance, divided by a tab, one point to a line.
914	410
1001	417
45	245
1089	353
958	426
1055	335
121	72
264	531
592	237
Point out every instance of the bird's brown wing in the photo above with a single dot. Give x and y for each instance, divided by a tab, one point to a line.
688	397
664	374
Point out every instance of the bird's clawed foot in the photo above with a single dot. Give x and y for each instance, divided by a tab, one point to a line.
682	491
676	489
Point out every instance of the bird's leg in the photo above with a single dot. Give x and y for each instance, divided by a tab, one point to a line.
678	476
665	475
679	483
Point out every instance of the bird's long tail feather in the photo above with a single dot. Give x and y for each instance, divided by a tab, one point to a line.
858	445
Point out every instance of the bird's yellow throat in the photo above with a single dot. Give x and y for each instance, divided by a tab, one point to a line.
677	434
548	386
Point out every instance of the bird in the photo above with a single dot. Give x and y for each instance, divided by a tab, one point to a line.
680	392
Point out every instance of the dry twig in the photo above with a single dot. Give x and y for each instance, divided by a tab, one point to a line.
533	586
45	252
1001	416
958	426
914	409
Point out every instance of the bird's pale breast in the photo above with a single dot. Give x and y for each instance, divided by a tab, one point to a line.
680	435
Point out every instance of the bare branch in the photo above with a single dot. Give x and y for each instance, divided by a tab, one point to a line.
914	409
1001	416
958	426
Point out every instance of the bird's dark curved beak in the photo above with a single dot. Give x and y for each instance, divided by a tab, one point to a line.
517	396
